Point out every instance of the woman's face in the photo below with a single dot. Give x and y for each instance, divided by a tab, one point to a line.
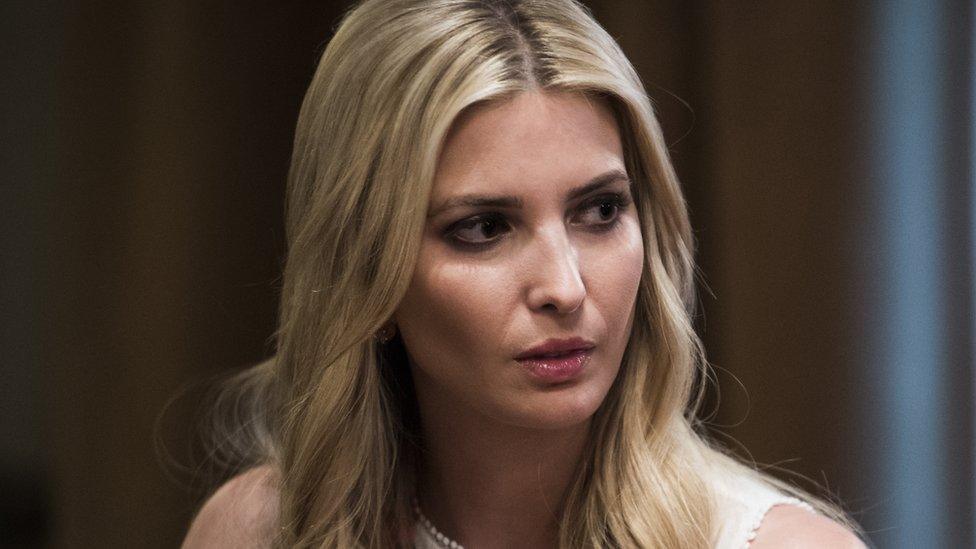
493	281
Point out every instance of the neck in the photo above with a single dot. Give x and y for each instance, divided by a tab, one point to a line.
489	484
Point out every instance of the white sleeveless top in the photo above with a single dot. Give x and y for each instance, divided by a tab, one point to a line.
743	502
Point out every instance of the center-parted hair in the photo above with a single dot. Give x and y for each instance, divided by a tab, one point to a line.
334	412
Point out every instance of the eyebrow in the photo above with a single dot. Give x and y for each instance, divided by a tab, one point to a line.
514	202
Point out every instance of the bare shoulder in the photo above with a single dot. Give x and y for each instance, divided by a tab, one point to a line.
241	513
793	527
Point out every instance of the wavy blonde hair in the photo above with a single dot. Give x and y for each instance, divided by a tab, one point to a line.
334	413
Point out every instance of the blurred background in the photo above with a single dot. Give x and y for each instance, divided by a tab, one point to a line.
826	148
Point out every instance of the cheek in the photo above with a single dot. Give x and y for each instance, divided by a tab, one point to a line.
615	271
615	274
455	309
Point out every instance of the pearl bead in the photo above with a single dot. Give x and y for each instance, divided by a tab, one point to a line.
432	530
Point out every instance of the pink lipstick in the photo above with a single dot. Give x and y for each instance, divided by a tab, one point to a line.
556	369
557	360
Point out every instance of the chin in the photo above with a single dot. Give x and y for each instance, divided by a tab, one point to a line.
558	408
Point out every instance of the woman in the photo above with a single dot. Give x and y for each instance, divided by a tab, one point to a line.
484	336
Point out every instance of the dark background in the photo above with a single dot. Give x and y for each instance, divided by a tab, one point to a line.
826	150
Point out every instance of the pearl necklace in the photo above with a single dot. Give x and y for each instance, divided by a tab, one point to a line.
439	537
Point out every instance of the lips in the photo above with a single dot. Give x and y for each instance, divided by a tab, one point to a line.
555	348
559	369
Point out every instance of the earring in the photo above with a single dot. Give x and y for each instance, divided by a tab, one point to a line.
386	333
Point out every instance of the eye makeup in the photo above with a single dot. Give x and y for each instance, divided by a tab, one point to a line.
497	222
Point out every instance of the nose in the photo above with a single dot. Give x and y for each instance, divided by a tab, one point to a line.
555	279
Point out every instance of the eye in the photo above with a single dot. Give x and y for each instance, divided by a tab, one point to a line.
483	231
488	225
607	209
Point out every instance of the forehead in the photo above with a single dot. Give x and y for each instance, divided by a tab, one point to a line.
535	140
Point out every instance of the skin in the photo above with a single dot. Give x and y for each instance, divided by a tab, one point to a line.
502	447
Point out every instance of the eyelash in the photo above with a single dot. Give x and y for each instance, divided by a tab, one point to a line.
619	201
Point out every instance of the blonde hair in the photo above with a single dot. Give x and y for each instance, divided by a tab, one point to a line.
334	413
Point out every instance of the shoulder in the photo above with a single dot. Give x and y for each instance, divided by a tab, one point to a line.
241	513
791	526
